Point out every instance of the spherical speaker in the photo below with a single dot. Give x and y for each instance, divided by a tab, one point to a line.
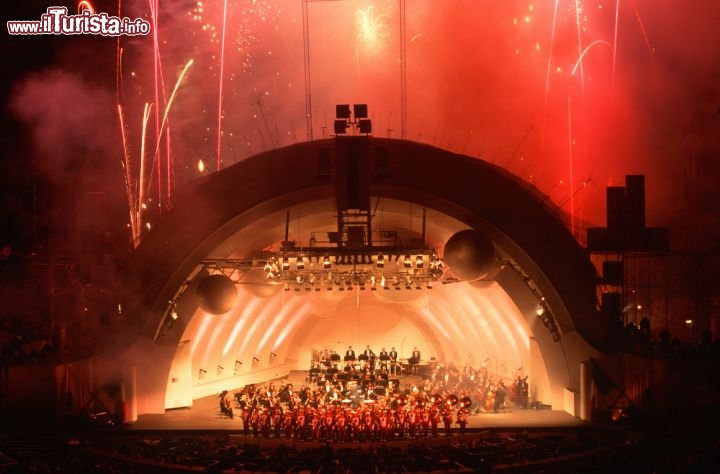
469	254
216	294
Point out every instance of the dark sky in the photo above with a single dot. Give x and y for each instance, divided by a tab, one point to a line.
502	81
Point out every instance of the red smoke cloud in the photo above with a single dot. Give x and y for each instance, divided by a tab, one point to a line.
502	81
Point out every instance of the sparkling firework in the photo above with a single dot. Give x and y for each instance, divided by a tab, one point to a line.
141	182
244	96
372	29
169	104
578	63
220	87
563	35
84	5
128	180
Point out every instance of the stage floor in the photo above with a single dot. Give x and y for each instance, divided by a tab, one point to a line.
205	415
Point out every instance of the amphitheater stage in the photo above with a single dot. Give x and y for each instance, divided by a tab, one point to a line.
205	415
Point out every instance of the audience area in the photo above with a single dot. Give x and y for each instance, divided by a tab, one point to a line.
587	450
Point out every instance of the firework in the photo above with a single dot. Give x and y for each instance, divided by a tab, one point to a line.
248	69
84	5
220	87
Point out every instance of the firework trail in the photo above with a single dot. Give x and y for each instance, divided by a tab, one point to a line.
220	86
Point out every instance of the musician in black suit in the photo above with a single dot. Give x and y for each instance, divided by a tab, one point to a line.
369	357
349	354
384	359
393	361
415	360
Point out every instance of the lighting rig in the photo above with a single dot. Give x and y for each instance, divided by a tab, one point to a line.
542	310
354	255
342	269
356	120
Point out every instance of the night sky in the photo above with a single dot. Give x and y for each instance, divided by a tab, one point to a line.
568	95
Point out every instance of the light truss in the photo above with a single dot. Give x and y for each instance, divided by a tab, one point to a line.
317	269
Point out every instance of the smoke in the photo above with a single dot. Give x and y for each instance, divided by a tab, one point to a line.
75	157
676	98
501	81
70	120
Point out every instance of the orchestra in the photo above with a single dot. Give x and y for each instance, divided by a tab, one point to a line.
364	402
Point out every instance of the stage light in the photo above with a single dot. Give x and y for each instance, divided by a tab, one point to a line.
365	126
339	126
342	111
273	355
361	111
341	270
202	373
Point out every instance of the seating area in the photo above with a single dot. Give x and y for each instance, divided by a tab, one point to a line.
571	450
